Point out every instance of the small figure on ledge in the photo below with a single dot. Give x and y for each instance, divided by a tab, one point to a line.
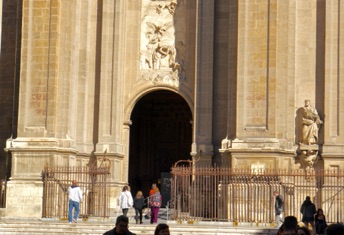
310	124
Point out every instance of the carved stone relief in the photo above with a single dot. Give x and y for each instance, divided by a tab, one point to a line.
161	52
307	156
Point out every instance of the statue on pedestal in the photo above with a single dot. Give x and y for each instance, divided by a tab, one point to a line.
308	146
310	124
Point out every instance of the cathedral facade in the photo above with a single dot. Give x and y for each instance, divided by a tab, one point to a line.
147	83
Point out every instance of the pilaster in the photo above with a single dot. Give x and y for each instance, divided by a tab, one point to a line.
333	148
111	85
262	96
46	129
202	131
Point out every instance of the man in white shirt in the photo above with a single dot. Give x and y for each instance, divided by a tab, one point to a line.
75	198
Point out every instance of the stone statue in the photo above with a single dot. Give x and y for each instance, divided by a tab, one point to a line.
310	124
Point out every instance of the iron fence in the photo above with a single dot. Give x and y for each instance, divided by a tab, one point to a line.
92	181
3	184
237	195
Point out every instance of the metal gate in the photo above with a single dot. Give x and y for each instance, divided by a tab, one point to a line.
93	183
243	195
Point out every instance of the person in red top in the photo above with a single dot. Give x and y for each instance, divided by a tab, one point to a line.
151	191
155	204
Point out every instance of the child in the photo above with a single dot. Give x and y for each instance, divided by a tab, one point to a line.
138	205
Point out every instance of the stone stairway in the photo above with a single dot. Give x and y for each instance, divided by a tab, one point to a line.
12	226
27	227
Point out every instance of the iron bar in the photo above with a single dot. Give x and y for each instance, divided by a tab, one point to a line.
243	195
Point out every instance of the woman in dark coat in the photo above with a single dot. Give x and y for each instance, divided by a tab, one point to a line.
139	202
308	210
320	222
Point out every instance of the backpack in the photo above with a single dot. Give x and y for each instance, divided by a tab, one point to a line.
155	200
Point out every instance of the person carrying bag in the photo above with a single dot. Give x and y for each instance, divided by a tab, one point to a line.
155	204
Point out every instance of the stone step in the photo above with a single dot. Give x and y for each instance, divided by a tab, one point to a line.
12	227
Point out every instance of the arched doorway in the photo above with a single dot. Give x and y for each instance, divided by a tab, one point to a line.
160	135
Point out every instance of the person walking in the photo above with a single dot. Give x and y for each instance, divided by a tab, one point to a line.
121	227
279	208
308	210
151	192
139	202
74	200
125	200
155	204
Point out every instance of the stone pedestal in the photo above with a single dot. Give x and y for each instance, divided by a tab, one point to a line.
258	153
24	195
307	155
24	199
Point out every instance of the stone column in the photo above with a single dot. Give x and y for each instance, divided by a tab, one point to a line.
111	85
117	54
79	64
37	104
54	98
106	81
333	148
262	97
202	131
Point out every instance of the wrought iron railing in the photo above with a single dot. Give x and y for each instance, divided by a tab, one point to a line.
93	183
236	195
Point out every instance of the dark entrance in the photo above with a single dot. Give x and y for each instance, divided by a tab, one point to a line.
160	135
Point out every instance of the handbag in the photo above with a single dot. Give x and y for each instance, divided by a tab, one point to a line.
130	200
156	200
